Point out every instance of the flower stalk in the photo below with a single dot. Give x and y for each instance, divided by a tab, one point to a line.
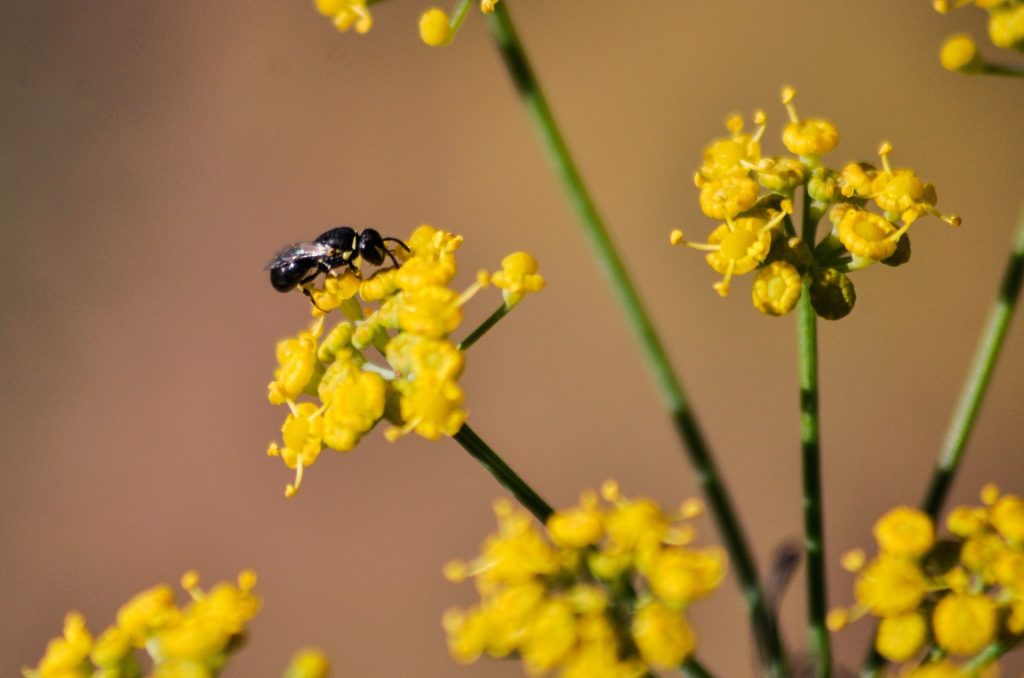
503	473
810	446
484	327
516	62
978	378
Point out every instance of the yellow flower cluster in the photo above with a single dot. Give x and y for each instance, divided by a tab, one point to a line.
436	28
957	595
751	196
193	641
603	594
409	324
1005	29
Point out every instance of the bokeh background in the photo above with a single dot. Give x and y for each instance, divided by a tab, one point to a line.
155	154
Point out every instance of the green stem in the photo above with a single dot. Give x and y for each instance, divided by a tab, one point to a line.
986	657
694	669
459	15
992	69
810	446
978	378
966	412
504	474
483	328
516	62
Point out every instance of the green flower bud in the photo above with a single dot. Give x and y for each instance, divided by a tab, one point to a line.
832	294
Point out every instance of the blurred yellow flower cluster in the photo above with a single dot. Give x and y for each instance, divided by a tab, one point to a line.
194	641
414	313
958	595
436	27
1005	29
751	196
603	593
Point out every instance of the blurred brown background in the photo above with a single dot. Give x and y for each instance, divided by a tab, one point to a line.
155	154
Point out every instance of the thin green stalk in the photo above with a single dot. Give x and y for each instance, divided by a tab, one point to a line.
671	391
504	474
966	412
992	69
483	328
810	446
694	669
978	378
987	657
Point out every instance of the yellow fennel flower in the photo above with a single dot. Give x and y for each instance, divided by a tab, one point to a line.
959	53
549	635
809	137
735	155
905	531
66	655
867	235
1008	518
308	663
777	288
578	526
407	313
150	609
355	407
347	13
680	576
188	642
296	358
890	586
1006	26
302	434
901	637
725	197
434	27
543	599
964	623
518	277
430	312
663	637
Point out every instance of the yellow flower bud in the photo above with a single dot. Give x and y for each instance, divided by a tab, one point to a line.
434	27
964	623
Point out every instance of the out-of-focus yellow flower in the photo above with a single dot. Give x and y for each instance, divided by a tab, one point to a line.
961	607
308	663
434	27
905	531
901	637
182	642
663	636
347	13
964	623
959	53
562	606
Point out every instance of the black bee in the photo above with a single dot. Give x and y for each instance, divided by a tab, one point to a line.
301	263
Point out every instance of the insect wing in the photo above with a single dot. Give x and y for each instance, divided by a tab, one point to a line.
296	251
